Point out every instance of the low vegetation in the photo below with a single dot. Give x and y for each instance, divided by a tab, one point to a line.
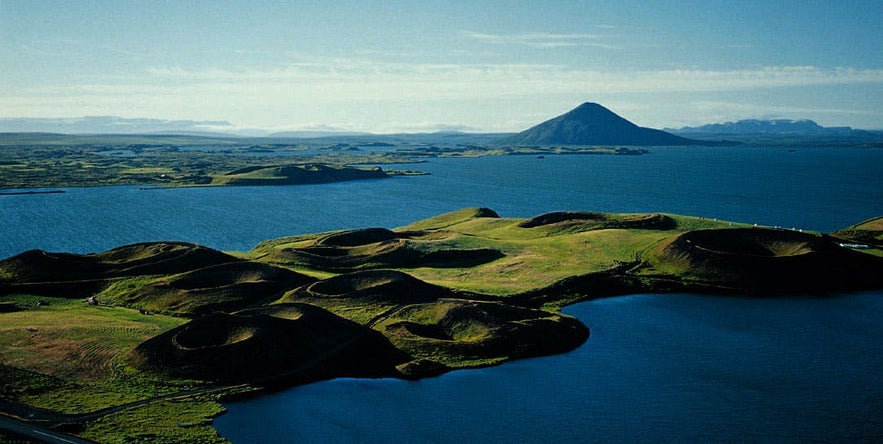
140	342
60	160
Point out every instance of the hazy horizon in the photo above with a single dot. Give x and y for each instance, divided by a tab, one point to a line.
428	66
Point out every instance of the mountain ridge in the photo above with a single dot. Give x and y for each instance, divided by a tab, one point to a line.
780	130
593	124
763	126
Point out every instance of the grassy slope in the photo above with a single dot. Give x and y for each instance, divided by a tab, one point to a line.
83	346
534	257
70	357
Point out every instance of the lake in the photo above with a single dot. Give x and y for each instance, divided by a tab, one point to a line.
812	188
656	368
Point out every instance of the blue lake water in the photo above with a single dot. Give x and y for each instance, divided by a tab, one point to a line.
811	188
656	368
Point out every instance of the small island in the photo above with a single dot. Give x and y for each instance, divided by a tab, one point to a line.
143	341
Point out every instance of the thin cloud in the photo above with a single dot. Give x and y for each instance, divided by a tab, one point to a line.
317	83
539	40
504	77
299	91
108	125
431	127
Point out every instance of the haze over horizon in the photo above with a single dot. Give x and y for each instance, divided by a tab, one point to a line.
426	66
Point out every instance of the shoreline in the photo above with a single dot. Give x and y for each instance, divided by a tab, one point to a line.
25	193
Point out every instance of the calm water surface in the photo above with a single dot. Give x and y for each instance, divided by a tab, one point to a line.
657	368
812	188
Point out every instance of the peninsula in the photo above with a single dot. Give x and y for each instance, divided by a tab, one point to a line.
140	342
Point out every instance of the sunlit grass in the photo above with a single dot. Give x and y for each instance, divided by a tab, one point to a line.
83	347
161	422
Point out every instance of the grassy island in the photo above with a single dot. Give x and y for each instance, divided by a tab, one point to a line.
142	341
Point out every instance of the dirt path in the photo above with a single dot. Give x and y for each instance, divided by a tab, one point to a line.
31	431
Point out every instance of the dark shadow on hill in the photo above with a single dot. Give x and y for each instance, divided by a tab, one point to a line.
575	221
279	344
129	260
477	333
224	287
739	261
441	328
378	248
760	260
867	233
163	277
79	275
388	286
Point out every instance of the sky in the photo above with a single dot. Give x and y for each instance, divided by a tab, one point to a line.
423	66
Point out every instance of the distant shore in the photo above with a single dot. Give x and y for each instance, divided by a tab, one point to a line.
18	193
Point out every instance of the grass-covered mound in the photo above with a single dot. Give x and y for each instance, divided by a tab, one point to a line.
295	342
129	260
224	287
462	333
377	248
574	221
869	233
366	296
767	260
377	285
355	238
76	275
166	277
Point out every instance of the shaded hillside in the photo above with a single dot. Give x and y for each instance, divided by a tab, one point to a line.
171	277
583	221
479	333
869	232
129	260
388	286
223	287
297	342
593	124
763	260
80	275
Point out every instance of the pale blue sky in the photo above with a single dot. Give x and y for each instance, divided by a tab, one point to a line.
427	65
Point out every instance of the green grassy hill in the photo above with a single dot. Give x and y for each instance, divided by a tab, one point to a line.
178	324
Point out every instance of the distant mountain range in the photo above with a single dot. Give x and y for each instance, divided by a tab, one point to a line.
755	126
593	124
589	124
803	130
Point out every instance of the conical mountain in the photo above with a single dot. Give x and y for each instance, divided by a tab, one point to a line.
593	124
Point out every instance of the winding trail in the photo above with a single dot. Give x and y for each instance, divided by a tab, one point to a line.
36	432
